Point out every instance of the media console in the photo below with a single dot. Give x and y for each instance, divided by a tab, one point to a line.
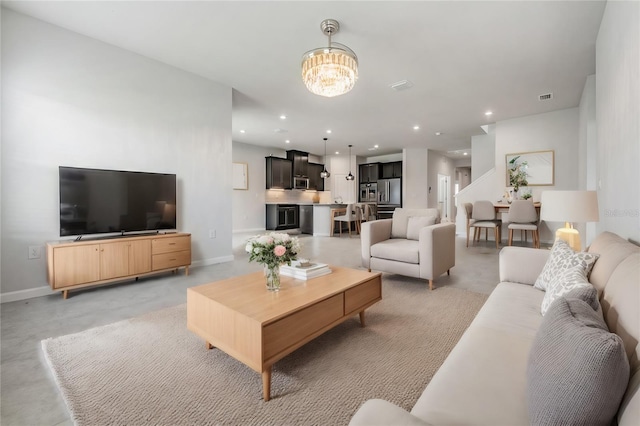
76	264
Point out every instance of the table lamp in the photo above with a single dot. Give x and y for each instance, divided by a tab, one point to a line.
569	207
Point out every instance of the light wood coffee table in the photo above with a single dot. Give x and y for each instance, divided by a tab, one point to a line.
258	327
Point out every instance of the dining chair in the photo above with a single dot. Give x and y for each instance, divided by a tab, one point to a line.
484	215
523	216
350	216
468	210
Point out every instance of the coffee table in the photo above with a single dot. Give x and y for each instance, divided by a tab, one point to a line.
257	327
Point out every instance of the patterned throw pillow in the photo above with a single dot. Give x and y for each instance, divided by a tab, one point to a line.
572	280
561	258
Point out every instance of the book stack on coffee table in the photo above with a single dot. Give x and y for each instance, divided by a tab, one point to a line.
305	271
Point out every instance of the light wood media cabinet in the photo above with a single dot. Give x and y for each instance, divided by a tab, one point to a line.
76	264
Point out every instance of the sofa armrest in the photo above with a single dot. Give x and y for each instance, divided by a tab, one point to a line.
521	264
372	233
437	247
378	412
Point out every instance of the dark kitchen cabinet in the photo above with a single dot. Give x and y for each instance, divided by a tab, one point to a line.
315	181
369	172
300	162
279	174
282	216
391	170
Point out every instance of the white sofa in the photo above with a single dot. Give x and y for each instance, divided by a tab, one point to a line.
484	379
413	243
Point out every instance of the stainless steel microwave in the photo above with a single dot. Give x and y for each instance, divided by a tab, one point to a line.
300	182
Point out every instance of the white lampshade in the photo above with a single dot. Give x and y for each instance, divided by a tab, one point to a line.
569	206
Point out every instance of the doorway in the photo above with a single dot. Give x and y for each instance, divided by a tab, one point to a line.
444	196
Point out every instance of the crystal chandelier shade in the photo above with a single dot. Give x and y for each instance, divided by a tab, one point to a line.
330	71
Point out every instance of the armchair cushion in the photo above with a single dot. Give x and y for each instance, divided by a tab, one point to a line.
401	219
397	249
416	223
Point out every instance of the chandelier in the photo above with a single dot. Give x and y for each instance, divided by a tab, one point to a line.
330	71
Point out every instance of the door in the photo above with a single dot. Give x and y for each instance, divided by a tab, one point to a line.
114	260
76	265
140	257
444	196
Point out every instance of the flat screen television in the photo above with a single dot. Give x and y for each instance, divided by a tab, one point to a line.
94	201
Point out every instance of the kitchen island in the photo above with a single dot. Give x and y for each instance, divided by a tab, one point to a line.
322	218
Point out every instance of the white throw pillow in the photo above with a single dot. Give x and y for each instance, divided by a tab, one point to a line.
561	258
416	223
561	284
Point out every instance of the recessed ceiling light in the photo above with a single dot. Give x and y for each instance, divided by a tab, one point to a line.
241	131
488	113
465	153
287	141
376	146
438	133
337	152
416	127
328	131
283	117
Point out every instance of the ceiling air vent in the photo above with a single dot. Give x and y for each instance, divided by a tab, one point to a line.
545	97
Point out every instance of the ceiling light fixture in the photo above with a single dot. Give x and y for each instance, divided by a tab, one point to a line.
325	173
329	132
416	127
438	133
488	113
283	117
287	141
465	153
350	176
241	131
330	71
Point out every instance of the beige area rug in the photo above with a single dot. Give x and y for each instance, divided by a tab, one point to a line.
151	370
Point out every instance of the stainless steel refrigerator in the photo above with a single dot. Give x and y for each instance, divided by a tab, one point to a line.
389	196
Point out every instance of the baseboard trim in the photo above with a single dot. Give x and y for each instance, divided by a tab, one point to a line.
30	293
242	231
212	261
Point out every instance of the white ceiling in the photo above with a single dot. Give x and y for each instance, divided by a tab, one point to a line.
463	59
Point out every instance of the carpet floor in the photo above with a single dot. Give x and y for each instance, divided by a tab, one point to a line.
152	370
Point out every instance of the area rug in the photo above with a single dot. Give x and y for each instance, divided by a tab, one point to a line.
151	370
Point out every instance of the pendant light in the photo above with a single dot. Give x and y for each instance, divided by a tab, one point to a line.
350	176
325	173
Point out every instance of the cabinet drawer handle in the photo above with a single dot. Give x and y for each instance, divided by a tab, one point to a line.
172	260
172	244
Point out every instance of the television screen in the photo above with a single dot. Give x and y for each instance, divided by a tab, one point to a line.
96	201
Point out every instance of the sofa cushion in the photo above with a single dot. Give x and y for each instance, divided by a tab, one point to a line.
577	371
572	279
401	219
416	223
400	250
613	249
561	258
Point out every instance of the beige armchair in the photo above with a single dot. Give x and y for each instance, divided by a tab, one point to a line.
413	243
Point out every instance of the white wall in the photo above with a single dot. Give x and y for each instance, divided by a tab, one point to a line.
249	205
483	149
618	125
415	178
587	150
71	100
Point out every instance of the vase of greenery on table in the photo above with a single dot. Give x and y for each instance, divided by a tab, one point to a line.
273	250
